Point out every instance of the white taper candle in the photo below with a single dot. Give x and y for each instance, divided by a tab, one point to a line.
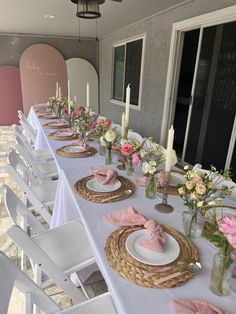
169	148
87	96
127	104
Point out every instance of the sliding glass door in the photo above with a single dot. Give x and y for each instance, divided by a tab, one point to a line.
205	134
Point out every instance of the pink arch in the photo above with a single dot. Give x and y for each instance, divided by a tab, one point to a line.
10	95
41	66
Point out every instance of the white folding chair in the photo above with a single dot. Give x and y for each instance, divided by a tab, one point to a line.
42	170
39	154
67	259
40	195
29	130
11	277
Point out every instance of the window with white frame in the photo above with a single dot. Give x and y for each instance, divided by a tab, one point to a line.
127	69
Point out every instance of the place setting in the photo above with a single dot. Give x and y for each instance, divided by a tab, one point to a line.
57	124
63	135
104	186
148	253
76	149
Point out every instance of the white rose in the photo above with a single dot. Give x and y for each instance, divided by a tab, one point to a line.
110	135
186	168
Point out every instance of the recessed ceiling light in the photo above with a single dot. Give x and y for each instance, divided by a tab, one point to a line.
49	16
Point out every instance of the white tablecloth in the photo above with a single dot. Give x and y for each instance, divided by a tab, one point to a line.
128	297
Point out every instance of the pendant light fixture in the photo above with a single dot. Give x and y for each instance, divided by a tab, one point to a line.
88	9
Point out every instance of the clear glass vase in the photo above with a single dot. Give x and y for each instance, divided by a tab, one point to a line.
221	273
193	223
108	156
129	167
102	149
151	186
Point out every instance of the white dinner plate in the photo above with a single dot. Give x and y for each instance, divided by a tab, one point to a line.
64	133
74	149
147	256
221	211
96	187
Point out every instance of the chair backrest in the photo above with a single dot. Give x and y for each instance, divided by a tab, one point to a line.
12	276
19	133
12	169
24	119
19	166
44	262
15	208
29	159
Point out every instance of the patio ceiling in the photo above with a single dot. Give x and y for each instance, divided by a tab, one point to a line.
27	16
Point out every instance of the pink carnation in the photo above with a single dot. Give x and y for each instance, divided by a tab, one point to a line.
135	159
92	125
227	225
126	149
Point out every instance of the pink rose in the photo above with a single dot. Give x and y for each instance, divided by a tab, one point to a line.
79	110
92	125
126	149
200	189
135	159
227	225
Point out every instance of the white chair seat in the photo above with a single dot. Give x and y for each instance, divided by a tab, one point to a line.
42	154
100	305
45	192
48	169
65	240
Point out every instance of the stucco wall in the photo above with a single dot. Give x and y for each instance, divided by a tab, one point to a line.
158	34
12	46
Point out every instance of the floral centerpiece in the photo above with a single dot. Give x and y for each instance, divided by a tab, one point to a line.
84	121
102	126
199	193
108	139
130	151
68	113
221	231
57	105
152	155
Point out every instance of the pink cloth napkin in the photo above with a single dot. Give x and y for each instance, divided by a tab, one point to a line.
80	144
131	217
156	240
141	181
126	217
194	306
104	176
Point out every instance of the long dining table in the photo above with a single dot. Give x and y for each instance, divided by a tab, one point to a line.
129	298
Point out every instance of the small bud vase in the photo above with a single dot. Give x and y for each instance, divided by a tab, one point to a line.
193	223
108	156
221	273
151	186
102	149
129	167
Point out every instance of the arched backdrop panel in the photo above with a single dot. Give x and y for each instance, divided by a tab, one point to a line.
41	66
10	95
80	72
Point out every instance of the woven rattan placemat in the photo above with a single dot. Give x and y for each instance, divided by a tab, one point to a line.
145	275
90	151
126	189
52	125
55	137
46	117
